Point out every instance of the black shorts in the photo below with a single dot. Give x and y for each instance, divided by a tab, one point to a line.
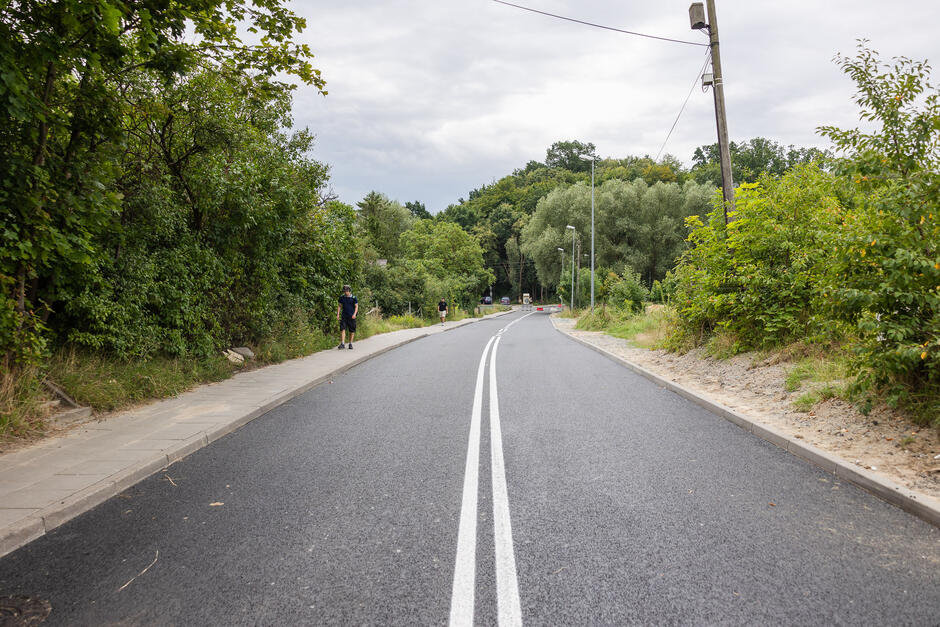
347	324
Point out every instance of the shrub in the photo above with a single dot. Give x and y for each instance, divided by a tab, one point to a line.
885	280
626	292
760	276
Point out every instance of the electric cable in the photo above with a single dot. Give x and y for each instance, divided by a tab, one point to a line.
691	89
618	30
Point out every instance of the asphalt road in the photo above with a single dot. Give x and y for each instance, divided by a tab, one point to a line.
617	502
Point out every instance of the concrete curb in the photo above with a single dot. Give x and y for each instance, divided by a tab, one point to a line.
45	520
922	506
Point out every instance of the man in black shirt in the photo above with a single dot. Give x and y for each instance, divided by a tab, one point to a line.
442	309
346	314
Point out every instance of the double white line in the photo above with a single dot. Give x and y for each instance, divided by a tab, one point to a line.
507	587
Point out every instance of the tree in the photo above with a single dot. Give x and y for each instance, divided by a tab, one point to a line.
887	281
62	123
383	221
752	158
222	235
637	227
418	210
450	255
567	155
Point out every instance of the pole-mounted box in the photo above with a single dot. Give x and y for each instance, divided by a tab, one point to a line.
697	16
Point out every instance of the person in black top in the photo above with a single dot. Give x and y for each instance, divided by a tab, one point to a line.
442	309
346	314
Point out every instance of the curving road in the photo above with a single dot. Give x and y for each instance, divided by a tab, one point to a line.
591	496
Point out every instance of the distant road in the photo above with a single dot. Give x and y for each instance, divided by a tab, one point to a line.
406	492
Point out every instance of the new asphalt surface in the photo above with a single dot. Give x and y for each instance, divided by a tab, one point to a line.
629	505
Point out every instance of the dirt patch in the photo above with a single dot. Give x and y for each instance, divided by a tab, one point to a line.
883	441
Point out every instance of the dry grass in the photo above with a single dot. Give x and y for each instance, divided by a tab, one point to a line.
23	403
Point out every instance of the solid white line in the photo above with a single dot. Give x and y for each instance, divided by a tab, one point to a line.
461	600
509	612
503	330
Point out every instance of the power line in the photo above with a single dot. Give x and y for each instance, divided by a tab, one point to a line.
691	89
618	30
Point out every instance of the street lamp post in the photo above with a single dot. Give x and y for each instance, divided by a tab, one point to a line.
573	233
591	158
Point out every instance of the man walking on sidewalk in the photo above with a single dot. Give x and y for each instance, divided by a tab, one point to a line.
442	309
346	314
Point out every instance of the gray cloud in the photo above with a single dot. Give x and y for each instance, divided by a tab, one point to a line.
429	100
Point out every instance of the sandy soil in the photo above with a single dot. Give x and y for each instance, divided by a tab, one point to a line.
882	441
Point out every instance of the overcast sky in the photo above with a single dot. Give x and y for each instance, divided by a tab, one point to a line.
429	99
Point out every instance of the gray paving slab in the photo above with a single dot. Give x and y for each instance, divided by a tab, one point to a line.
120	453
66	482
96	467
52	481
12	483
12	515
149	445
33	498
175	431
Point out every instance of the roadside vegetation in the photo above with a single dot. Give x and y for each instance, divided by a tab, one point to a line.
834	267
159	208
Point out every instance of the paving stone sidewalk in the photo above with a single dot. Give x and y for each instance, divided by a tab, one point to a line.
48	483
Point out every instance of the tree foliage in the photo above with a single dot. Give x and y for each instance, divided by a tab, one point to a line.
437	259
853	253
568	155
752	158
760	275
382	222
637	227
886	278
143	165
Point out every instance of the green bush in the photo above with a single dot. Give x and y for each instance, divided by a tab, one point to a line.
663	291
885	279
626	292
853	253
761	276
598	320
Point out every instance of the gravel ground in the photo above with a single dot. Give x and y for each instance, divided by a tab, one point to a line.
880	441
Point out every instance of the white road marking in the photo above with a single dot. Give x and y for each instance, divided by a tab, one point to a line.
461	601
509	611
503	330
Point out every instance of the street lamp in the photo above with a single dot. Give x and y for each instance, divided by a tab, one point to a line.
591	159
573	233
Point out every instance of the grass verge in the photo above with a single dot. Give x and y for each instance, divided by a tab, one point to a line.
108	384
22	403
647	329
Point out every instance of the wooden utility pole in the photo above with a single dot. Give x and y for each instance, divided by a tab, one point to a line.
718	89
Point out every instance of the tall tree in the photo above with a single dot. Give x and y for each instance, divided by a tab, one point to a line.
383	221
418	210
567	155
637	226
62	114
752	158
